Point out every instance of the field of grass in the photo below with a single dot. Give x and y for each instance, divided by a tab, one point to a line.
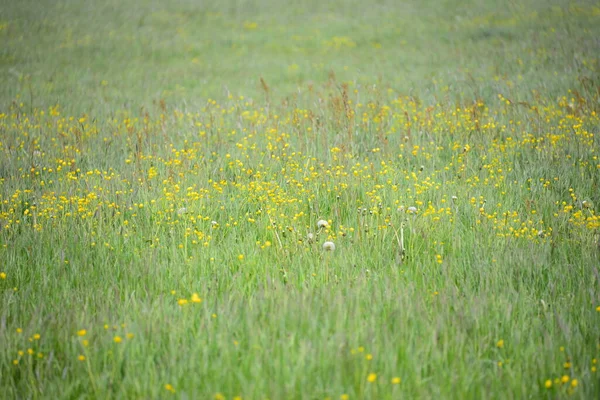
171	171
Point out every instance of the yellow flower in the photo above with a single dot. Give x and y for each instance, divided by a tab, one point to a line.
548	383
219	396
2	275
196	298
129	335
30	351
567	365
396	380
598	308
117	339
36	336
574	383
81	332
500	344
344	397
169	388
564	379
372	377
16	362
81	357
85	342
240	257
369	357
182	302
19	330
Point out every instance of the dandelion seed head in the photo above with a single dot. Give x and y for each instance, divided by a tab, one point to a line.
328	246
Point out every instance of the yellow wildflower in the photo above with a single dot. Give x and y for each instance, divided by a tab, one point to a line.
196	298
169	388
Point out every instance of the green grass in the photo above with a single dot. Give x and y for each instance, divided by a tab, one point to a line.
155	153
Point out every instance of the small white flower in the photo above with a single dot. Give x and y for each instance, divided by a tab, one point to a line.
37	153
182	210
401	209
541	233
310	237
214	223
412	210
454	198
322	224
328	246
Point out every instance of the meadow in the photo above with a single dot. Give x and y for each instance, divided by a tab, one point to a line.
251	199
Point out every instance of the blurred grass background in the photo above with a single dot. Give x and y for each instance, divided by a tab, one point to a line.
95	54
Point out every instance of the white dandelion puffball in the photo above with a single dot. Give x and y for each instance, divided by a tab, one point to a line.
181	211
328	246
412	209
310	237
454	198
322	224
